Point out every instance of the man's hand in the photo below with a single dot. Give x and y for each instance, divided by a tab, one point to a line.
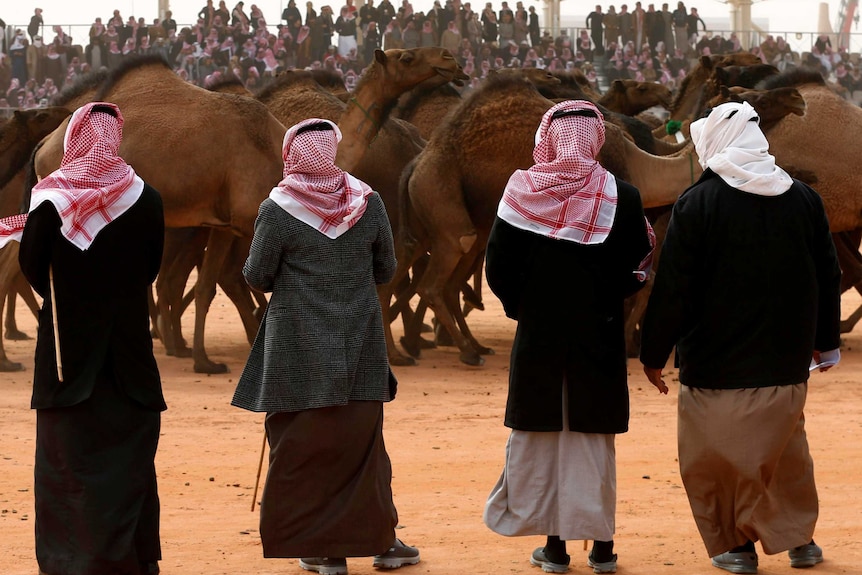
654	377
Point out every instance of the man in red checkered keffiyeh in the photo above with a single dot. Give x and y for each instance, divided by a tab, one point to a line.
569	244
567	194
93	185
314	190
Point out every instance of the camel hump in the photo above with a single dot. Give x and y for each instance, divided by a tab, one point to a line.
83	83
127	66
792	78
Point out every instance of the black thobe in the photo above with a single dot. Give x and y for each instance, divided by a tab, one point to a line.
97	508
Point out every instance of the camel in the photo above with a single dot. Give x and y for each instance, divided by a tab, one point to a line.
18	136
689	96
221	187
295	96
630	97
744	76
771	105
450	193
425	108
829	130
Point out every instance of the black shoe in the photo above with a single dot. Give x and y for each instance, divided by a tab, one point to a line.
324	565
806	555
398	555
741	562
539	559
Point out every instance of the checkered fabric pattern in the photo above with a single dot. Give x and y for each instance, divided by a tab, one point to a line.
567	194
11	228
315	190
93	185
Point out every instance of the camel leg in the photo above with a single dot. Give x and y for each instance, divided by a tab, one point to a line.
216	253
184	250
233	283
441	267
27	294
466	268
406	254
8	270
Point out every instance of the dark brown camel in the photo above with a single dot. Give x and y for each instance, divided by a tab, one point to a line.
771	105
18	136
452	190
689	97
630	97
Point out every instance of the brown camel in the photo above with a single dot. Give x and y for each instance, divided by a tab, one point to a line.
771	105
829	130
689	96
452	191
201	184
426	108
630	97
18	136
295	96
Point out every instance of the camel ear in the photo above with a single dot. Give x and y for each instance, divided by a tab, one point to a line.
380	56
618	86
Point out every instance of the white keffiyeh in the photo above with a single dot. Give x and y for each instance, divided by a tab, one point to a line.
729	142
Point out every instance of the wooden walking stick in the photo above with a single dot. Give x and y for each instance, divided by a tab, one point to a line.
56	329
259	468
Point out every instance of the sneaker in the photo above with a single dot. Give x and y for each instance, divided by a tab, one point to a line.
539	559
324	565
397	556
806	555
603	566
743	562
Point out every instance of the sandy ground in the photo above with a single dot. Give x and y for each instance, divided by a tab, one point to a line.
446	439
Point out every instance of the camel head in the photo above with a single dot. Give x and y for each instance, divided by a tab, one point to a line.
401	70
641	96
541	79
771	105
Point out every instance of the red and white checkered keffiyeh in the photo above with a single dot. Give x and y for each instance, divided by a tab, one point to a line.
93	185
314	190
11	228
566	194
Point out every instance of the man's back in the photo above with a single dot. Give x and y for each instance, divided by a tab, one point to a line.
748	286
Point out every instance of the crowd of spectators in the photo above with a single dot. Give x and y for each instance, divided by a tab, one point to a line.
644	44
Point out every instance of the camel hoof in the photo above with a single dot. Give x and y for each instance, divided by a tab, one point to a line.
182	352
402	360
482	350
413	349
471	358
6	365
16	335
210	367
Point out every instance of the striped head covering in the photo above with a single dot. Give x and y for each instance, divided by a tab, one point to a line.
93	185
314	190
729	141
12	228
566	194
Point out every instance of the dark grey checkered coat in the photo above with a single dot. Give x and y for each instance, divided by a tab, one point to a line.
321	340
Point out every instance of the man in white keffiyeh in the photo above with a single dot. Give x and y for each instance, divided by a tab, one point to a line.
569	244
748	296
98	231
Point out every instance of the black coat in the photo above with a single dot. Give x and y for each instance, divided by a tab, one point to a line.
747	288
102	311
568	300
